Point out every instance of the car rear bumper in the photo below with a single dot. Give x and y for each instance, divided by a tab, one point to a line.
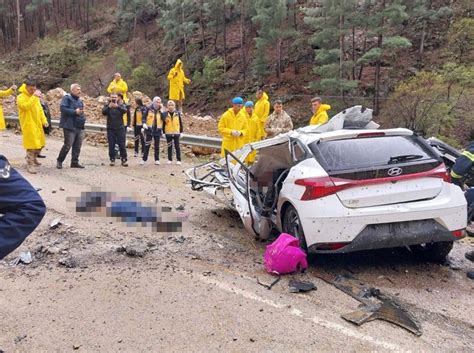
327	221
391	235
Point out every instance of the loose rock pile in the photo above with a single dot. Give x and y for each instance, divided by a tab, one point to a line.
193	124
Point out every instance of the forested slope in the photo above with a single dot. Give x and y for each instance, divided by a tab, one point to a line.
410	60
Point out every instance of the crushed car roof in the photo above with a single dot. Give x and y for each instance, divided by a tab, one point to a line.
346	124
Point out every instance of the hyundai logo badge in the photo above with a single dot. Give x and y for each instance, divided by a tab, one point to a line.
394	171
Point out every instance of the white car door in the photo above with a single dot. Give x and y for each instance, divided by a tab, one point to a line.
239	179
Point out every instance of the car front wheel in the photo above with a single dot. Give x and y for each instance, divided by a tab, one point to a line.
292	225
434	252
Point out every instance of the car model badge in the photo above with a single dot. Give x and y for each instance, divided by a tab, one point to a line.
394	171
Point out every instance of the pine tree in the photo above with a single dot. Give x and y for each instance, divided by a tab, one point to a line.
179	20
383	17
332	24
270	17
424	14
133	12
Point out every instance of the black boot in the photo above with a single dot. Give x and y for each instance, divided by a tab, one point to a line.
77	165
59	165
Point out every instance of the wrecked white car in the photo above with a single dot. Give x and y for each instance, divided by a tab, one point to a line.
343	186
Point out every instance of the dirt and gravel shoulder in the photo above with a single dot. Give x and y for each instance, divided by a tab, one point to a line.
196	290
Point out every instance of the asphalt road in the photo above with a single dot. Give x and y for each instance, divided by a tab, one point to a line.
197	290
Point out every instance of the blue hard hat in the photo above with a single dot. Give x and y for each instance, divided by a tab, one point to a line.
237	100
248	104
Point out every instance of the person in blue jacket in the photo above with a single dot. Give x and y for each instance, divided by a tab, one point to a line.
72	122
21	208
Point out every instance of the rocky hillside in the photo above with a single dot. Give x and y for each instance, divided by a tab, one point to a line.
410	61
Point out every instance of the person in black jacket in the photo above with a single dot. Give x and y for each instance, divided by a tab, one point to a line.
21	208
47	129
116	131
72	122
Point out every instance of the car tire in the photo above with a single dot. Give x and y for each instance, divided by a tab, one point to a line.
292	225
433	252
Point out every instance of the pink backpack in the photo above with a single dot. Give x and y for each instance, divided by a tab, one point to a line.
285	256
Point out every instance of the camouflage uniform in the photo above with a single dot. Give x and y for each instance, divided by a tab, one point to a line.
278	124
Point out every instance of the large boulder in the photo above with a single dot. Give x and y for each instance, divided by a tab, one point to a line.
203	151
55	94
137	94
102	99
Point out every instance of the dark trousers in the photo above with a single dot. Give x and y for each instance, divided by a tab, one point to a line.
156	139
117	136
469	194
170	139
72	138
139	139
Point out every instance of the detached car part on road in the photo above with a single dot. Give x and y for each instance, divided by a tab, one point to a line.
343	186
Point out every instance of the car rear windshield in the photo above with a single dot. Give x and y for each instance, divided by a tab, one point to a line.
360	153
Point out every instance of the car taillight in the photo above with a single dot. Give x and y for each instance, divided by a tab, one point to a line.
459	233
324	186
318	187
438	172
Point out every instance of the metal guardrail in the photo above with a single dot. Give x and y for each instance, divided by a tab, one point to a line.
191	140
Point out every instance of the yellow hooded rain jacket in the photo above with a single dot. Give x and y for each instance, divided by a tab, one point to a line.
228	122
262	110
321	115
119	86
6	93
32	119
253	131
177	80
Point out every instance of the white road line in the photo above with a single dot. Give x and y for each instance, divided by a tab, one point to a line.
298	313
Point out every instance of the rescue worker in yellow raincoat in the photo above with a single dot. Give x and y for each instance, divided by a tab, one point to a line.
262	110
5	93
253	132
177	79
233	127
320	115
32	121
118	85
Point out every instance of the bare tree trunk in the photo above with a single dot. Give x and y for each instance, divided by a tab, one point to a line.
66	15
242	39
87	15
353	54
225	37
364	50
79	11
377	66
55	13
135	25
295	23
341	45
18	13
422	45
201	23
279	62
184	32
